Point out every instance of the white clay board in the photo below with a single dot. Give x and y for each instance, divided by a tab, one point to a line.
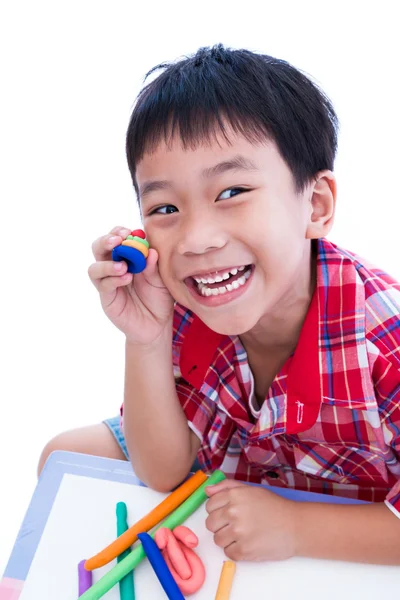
82	522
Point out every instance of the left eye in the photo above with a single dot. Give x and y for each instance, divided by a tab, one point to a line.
229	193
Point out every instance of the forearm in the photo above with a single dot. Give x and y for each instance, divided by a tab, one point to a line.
159	441
367	533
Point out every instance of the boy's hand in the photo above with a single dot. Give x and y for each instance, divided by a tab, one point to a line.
251	523
139	305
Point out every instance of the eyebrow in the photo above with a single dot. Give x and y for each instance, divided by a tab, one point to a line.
237	163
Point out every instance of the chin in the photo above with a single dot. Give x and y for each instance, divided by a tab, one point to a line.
232	325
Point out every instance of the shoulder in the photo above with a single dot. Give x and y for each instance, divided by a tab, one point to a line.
378	297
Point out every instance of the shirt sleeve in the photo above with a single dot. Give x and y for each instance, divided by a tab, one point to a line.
391	429
392	500
386	375
199	410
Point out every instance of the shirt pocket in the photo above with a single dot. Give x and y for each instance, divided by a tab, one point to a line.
341	463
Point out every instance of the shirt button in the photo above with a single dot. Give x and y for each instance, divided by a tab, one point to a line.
272	474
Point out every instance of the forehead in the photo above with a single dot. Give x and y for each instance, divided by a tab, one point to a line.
171	158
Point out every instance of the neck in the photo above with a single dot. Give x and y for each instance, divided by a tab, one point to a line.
278	332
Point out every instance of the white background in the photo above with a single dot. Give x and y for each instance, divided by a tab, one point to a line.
70	72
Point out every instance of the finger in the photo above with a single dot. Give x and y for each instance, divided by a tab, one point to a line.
110	284
103	246
99	270
234	551
151	273
224	537
217	501
217	520
119	230
226	484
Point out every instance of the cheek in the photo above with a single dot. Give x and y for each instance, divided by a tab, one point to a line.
280	245
279	256
164	255
279	219
164	268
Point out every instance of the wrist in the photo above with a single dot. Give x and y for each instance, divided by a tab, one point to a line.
156	346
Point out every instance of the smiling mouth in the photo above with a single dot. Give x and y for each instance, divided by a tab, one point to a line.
222	282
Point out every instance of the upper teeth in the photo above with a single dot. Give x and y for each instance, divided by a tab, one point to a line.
206	291
221	276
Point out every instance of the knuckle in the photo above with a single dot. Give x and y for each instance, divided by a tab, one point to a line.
104	286
232	494
92	272
94	247
232	512
236	530
117	230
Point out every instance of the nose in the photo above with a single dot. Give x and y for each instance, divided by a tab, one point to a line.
200	234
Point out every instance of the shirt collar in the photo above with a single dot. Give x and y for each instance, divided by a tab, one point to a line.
334	304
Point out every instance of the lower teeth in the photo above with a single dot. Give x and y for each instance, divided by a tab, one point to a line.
206	291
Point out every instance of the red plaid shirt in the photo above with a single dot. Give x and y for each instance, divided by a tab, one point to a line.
331	420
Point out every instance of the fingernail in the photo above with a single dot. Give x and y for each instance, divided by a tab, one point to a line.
118	266
112	240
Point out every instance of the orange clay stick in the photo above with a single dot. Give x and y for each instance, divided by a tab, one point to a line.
226	580
124	541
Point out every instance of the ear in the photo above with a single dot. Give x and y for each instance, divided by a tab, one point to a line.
323	202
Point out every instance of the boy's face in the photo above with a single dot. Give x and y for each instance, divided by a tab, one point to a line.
231	232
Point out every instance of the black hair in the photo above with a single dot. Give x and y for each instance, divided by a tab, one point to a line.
258	96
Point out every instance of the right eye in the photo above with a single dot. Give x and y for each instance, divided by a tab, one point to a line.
168	209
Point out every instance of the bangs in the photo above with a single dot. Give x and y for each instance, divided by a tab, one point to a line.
195	126
197	111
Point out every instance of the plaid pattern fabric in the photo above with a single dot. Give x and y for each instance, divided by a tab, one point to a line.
331	420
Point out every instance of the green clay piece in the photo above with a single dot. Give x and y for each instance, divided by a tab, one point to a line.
137	554
141	240
138	239
126	585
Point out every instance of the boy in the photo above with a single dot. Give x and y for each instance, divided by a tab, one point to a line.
285	348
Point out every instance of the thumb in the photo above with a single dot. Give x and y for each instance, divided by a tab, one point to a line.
226	484
151	273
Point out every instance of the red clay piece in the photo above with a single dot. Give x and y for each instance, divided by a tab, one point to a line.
186	567
139	233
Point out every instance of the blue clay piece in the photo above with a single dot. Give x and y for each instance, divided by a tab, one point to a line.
134	258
